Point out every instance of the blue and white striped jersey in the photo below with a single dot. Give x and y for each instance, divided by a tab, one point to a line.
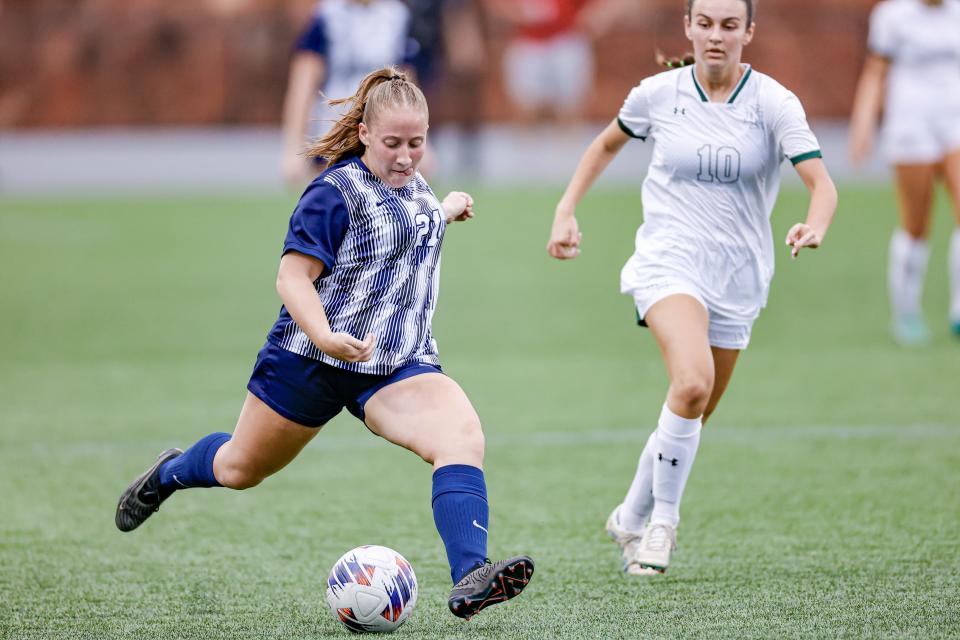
381	249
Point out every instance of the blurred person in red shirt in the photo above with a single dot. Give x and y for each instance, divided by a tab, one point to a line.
548	63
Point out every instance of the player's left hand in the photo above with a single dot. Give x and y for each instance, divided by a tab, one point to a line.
802	235
457	206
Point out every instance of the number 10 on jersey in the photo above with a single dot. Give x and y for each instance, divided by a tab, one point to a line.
720	166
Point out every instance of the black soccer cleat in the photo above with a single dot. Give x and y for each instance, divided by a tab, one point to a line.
490	583
143	497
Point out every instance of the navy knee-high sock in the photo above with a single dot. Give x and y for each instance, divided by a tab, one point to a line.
461	514
195	467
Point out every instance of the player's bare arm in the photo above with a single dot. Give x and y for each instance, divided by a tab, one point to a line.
565	236
823	204
867	104
295	285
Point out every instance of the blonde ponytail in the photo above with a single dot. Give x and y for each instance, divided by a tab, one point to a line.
380	90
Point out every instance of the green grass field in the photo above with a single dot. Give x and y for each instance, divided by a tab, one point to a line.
825	501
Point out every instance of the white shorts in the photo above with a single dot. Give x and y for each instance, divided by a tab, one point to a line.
554	73
921	139
724	332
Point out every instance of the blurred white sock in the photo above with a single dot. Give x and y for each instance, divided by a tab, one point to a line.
905	273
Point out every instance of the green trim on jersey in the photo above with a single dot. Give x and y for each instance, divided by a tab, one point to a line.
733	96
696	83
806	156
627	130
740	85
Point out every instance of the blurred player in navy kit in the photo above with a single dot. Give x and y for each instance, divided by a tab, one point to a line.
359	278
345	40
912	74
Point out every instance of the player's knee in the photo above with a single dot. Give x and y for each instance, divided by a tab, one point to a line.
239	476
462	441
692	392
472	441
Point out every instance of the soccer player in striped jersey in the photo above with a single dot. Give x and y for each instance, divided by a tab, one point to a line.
912	74
704	254
358	279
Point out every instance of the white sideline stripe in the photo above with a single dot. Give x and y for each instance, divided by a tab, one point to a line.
717	433
720	433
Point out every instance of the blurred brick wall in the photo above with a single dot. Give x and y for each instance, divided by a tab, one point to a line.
142	62
70	63
814	47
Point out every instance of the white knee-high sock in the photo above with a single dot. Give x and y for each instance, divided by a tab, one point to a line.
676	442
905	272
639	501
954	266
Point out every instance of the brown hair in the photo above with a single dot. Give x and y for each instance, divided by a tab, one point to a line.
749	4
379	91
687	58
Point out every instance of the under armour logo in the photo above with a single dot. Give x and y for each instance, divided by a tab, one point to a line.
673	461
679	110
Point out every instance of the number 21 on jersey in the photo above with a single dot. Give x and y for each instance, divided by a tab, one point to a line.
428	228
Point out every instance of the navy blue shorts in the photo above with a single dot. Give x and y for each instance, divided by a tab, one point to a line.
311	392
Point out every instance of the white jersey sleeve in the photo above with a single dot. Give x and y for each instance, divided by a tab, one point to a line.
882	39
792	132
634	116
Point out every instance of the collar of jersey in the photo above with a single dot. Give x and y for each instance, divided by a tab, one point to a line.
404	190
736	90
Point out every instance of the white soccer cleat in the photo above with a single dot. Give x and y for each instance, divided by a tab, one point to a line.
653	552
630	542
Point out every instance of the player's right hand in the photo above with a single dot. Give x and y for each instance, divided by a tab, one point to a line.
565	237
344	346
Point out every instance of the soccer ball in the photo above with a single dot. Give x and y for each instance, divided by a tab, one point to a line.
372	588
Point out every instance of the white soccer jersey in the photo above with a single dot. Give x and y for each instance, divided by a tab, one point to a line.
923	44
712	183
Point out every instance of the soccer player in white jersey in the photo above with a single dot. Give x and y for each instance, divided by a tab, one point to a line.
358	279
704	254
912	73
344	41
